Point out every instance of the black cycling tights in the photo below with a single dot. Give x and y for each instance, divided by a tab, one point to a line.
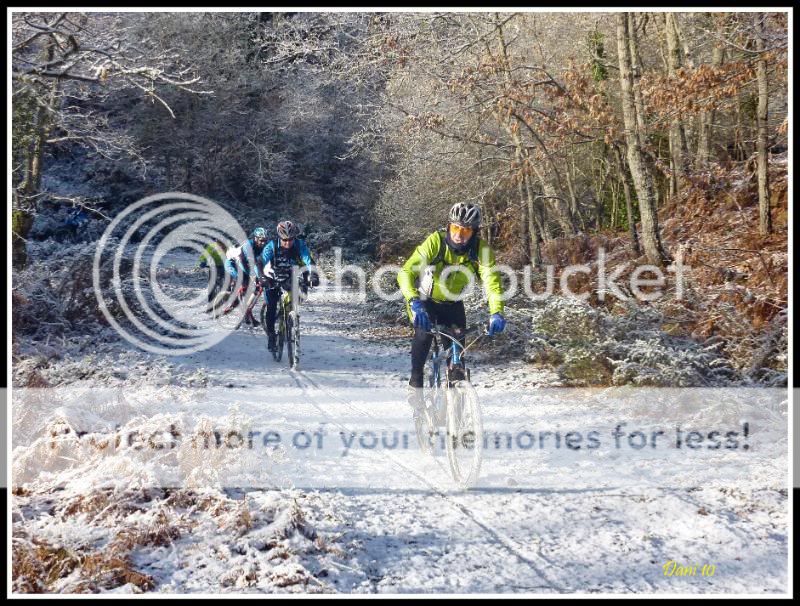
446	315
273	296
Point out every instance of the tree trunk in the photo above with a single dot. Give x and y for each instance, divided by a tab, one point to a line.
706	118
525	232
625	177
21	222
677	134
29	189
764	212
636	72
536	211
561	214
614	205
600	205
673	173
532	244
573	199
187	181
640	172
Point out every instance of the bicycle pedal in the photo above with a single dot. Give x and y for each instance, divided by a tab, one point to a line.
456	374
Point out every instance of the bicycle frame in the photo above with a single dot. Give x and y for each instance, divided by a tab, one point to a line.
286	301
451	353
454	353
288	319
250	304
248	312
284	309
453	405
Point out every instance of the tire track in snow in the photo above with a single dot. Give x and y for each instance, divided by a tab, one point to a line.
511	546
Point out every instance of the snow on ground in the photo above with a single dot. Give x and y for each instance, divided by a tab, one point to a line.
97	516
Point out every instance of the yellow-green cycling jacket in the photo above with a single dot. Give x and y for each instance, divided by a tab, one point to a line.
456	281
212	255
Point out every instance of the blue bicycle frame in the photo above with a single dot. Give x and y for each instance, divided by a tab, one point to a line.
454	352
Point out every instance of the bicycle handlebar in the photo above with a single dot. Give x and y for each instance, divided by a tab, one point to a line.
282	284
484	328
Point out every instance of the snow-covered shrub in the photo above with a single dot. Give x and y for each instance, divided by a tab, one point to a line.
163	539
585	366
569	319
594	347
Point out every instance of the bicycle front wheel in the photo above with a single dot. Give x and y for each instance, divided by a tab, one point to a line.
296	338
218	305
280	337
425	423
292	340
263	318
464	433
226	311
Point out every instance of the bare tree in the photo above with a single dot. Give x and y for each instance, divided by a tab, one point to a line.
62	65
706	117
679	152
640	172
764	212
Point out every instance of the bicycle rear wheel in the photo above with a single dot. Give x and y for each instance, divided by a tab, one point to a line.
464	433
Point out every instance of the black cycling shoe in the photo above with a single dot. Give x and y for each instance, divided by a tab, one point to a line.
415	399
456	373
271	338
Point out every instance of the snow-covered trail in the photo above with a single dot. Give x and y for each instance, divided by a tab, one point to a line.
546	519
405	528
417	537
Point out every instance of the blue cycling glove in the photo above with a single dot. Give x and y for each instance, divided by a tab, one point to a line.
421	319
497	324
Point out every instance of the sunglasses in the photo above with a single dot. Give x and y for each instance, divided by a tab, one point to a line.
460	229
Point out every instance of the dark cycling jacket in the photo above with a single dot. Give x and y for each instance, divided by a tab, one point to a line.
283	260
249	247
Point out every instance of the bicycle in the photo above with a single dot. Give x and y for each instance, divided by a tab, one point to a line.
288	324
219	311
452	402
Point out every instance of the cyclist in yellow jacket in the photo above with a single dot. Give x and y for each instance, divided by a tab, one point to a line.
213	254
430	296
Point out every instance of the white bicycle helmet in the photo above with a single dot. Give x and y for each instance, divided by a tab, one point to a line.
467	215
